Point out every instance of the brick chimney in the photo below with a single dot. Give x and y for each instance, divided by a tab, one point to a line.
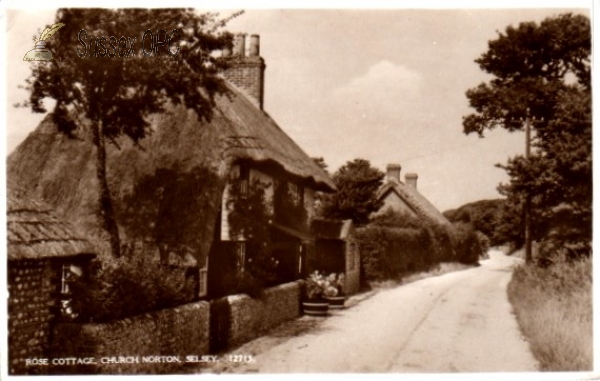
393	173
411	179
246	71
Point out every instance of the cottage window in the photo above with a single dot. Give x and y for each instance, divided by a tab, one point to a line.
300	251
64	281
241	255
297	193
68	274
244	180
203	280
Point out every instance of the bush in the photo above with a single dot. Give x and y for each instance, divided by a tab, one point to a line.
119	288
466	244
551	249
484	243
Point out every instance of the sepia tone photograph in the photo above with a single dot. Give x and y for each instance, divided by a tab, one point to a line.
333	190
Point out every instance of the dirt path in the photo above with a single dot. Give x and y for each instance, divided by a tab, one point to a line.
458	322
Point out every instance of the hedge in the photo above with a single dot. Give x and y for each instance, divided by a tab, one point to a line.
394	245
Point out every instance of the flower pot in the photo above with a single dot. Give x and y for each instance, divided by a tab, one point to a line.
336	302
315	308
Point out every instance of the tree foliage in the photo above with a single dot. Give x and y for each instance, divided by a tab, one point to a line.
542	75
356	198
162	210
485	216
531	65
104	81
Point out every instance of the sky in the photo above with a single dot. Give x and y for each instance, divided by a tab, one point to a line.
379	83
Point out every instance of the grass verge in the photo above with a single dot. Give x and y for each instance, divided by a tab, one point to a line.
554	309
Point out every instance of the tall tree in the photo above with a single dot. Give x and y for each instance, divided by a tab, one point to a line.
357	183
113	68
542	76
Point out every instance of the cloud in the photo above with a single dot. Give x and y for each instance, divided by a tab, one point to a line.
384	88
379	111
388	98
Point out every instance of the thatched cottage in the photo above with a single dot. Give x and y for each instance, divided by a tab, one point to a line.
173	190
42	251
404	197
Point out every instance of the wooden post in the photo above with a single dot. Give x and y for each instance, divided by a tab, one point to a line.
528	253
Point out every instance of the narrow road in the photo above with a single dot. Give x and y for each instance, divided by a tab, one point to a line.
458	322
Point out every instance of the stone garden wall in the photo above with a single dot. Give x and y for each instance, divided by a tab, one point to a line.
239	318
151	343
252	317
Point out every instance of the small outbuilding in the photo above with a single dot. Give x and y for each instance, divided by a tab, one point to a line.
43	251
336	251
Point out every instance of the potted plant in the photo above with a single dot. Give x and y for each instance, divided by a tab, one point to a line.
336	299
318	288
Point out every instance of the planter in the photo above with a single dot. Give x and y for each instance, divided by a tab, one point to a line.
315	308
336	302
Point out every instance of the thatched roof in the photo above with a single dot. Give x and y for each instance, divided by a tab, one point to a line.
251	134
415	200
331	229
60	170
33	232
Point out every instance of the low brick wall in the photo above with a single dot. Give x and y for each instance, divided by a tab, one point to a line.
238	319
150	343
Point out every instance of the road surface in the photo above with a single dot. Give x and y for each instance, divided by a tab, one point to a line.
458	322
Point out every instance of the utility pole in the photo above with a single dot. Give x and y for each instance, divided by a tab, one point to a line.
528	253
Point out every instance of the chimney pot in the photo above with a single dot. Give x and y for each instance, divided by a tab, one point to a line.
411	179
247	72
254	46
393	172
239	45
